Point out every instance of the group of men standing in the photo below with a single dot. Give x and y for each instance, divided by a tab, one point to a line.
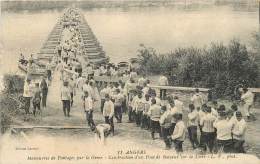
211	127
35	94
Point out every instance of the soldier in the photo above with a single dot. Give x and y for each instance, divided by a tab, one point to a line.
138	108
118	105
108	112
197	99
178	134
208	131
238	133
145	116
66	97
192	126
88	108
27	94
247	98
155	114
44	90
163	81
224	138
102	131
37	99
165	123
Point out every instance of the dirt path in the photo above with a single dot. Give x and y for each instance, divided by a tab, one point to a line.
53	115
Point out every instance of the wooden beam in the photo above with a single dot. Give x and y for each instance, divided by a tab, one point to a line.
190	89
48	127
116	79
254	90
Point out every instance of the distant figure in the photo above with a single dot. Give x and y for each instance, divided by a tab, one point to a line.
80	82
133	74
78	68
44	90
145	89
22	59
178	104
154	96
101	132
60	69
214	108
247	99
142	81
89	71
37	99
27	94
30	60
72	85
163	81
59	49
65	97
48	69
197	99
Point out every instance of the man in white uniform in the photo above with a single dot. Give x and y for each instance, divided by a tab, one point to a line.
248	99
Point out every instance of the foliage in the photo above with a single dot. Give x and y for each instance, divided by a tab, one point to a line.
220	67
10	99
254	45
13	83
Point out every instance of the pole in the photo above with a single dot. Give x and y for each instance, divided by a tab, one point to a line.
259	14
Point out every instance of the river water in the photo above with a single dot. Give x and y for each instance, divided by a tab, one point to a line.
121	31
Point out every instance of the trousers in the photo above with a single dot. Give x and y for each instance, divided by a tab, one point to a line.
102	104
89	118
27	104
118	113
66	107
192	130
44	97
138	118
178	145
165	134
208	139
238	146
110	121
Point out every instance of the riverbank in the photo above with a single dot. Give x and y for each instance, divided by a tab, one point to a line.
91	4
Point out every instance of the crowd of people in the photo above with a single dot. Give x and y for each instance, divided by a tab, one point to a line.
211	126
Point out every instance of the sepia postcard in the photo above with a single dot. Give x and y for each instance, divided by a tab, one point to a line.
129	81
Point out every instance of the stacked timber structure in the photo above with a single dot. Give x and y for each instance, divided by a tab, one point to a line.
92	52
53	40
